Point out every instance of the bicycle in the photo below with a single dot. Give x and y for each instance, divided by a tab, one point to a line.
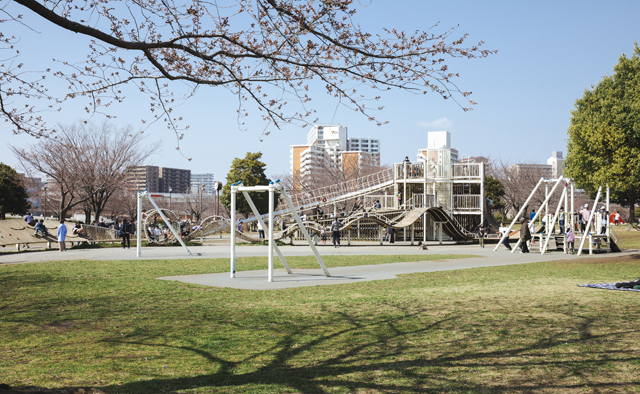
634	226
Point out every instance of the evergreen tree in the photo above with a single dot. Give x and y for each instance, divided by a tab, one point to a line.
13	194
249	171
603	148
494	190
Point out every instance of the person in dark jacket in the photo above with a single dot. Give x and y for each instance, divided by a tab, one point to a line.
391	232
335	232
125	230
525	235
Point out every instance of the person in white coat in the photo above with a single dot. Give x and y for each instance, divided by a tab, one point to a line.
62	234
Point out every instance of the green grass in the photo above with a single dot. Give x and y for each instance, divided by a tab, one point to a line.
628	239
521	328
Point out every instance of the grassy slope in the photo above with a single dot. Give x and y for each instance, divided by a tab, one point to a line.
502	329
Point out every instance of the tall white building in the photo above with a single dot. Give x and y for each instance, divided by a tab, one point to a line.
197	180
369	145
556	161
328	150
438	140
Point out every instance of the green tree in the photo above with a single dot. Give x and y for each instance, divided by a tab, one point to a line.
13	194
604	136
249	171
494	190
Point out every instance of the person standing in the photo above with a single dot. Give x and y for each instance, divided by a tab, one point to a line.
571	239
62	234
335	232
260	231
603	220
125	233
616	218
561	218
391	232
584	217
480	235
503	230
323	234
525	236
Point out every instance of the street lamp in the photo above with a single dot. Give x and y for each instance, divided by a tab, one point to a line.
45	202
170	190
217	186
200	208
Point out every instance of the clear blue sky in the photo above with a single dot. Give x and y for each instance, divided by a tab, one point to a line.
549	52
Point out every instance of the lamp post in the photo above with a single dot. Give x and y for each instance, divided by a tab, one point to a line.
217	186
200	208
45	203
170	190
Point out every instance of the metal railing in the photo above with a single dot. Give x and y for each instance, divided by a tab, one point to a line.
466	171
309	197
386	201
419	201
466	202
97	233
414	170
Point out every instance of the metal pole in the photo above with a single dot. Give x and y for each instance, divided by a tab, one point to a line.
607	216
538	213
234	191
404	196
261	222
412	228
553	222
482	196
506	234
424	227
139	226
271	196
584	236
168	223
567	222
572	207
287	199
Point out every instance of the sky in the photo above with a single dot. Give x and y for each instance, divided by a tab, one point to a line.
549	52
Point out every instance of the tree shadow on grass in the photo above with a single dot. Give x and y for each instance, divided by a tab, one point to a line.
387	360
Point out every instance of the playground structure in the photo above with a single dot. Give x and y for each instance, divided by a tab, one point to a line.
16	232
604	240
434	198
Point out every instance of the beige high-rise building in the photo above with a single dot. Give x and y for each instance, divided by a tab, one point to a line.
327	157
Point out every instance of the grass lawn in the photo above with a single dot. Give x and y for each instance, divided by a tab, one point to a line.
521	328
628	239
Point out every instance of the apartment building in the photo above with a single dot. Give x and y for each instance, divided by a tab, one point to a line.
158	179
369	145
197	180
327	152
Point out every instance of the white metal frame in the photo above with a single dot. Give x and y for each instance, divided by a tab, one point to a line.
144	194
272	188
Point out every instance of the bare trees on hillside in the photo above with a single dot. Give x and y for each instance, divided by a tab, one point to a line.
85	165
518	181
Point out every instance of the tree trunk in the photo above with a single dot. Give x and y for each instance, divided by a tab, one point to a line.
98	212
632	206
87	215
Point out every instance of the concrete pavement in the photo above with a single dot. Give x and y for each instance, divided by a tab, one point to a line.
307	277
